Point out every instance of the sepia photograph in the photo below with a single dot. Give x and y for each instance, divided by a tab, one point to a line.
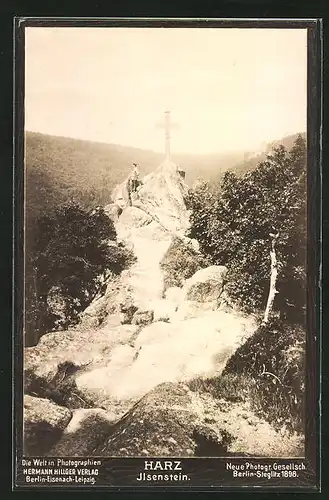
165	223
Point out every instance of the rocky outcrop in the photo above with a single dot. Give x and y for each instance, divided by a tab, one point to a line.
44	422
162	195
170	420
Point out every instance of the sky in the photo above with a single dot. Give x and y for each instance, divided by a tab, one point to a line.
227	89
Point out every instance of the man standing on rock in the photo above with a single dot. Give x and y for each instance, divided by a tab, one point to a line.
133	181
134	178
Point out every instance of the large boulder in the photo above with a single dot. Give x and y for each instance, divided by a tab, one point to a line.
161	424
161	194
44	422
87	429
206	285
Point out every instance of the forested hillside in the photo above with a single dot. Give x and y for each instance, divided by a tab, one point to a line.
61	169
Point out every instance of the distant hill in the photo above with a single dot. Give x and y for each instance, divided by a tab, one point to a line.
253	160
59	169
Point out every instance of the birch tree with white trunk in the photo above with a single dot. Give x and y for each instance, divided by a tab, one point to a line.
273	279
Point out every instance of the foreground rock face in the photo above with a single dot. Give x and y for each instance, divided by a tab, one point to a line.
44	422
161	424
172	421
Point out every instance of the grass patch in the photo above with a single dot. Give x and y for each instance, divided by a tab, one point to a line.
268	372
231	387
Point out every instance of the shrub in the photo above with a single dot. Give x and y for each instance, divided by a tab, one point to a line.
180	263
69	253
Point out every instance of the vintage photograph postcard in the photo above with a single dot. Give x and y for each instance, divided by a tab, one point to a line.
166	323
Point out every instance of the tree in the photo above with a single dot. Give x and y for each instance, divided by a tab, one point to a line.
67	258
236	228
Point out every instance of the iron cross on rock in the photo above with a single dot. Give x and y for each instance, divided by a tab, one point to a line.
167	125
